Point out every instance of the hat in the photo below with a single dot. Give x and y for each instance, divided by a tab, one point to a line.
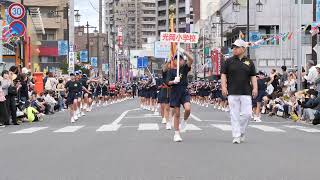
84	75
181	57
71	74
318	66
240	43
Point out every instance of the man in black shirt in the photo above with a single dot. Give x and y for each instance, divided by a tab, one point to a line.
179	94
239	83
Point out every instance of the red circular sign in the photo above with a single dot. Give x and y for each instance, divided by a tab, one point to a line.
17	11
17	28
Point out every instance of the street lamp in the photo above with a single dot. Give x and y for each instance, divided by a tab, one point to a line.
77	16
259	6
236	6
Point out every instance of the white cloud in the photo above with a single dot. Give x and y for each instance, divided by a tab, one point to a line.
88	13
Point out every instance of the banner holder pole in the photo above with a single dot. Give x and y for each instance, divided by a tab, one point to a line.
178	60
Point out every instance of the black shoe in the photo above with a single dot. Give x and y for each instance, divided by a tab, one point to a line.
7	124
16	123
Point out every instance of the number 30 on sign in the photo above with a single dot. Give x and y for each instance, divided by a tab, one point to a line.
17	11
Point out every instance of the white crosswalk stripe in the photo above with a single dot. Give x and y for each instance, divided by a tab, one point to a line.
68	129
223	127
156	127
29	130
109	127
305	129
192	127
267	128
148	127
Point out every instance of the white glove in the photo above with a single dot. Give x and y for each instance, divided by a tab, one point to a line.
181	50
176	80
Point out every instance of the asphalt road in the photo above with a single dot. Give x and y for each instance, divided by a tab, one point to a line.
123	142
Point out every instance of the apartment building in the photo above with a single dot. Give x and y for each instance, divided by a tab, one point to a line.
162	18
53	19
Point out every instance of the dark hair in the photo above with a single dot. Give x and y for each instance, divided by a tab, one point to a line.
50	74
4	72
284	68
14	69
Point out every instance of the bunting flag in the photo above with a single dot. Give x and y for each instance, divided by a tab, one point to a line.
241	35
290	36
285	37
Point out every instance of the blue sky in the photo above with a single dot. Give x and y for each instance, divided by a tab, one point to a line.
88	13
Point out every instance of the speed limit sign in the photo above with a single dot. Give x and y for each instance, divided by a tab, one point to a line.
17	11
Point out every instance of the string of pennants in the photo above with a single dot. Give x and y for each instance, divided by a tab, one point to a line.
283	36
256	40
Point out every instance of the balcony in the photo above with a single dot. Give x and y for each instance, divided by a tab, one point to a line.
162	27
148	29
51	23
161	18
162	8
148	22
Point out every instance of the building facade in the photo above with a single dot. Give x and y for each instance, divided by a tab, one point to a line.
180	15
51	17
277	17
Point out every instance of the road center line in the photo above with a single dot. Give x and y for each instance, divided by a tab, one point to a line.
117	121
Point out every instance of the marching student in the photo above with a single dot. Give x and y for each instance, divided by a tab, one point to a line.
239	83
164	97
179	94
72	97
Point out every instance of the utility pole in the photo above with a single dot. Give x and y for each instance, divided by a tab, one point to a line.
248	26
314	38
100	31
299	50
88	41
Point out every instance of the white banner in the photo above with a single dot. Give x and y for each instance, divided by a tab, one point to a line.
71	62
179	37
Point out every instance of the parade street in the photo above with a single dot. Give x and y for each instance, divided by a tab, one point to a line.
123	142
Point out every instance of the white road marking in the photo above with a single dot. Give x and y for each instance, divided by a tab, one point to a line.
117	121
306	129
141	117
195	117
148	127
267	128
223	127
29	130
192	127
68	129
109	127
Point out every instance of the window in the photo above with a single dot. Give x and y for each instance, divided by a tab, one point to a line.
50	35
304	1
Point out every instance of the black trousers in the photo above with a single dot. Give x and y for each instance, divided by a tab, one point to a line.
4	117
11	108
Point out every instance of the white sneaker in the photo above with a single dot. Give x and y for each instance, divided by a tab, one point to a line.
177	137
242	138
164	121
75	117
258	119
183	125
207	105
168	125
82	114
72	120
236	140
227	109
